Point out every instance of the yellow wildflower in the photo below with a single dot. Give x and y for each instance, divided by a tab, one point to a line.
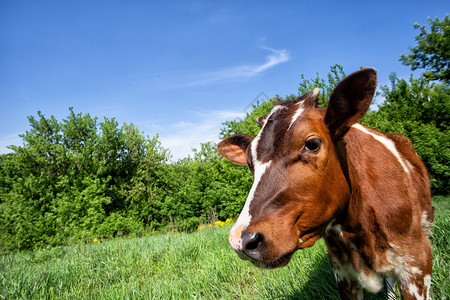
215	225
219	224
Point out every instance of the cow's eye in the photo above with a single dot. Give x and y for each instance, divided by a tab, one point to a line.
313	144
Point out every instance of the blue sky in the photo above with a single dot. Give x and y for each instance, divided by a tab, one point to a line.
181	68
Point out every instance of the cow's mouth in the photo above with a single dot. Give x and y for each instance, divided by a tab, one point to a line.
284	259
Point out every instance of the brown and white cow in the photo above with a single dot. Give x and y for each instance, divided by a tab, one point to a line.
318	173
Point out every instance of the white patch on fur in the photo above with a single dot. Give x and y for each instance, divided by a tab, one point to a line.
260	168
389	144
427	286
297	114
415	270
426	294
426	224
397	264
244	217
372	282
414	291
410	166
398	267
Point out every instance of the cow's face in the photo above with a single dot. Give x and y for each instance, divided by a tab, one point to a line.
299	185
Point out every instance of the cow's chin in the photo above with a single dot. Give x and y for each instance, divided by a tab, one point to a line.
284	259
277	263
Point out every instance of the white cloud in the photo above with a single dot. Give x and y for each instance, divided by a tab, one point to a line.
181	137
239	72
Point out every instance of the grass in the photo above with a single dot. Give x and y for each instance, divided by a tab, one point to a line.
185	266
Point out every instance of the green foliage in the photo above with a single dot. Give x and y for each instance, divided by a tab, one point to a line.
432	51
202	187
80	179
77	179
419	110
335	75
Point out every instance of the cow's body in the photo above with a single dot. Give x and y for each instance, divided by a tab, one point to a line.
383	231
318	173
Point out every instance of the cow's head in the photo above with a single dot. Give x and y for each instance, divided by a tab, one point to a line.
299	183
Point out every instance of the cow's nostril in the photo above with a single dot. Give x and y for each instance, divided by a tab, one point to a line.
251	241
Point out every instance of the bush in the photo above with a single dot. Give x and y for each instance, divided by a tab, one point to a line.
76	180
195	188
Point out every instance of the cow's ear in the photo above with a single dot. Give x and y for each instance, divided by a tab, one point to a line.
234	148
350	101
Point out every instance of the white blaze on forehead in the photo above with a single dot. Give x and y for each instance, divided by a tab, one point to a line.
244	218
255	141
389	144
297	114
259	168
301	109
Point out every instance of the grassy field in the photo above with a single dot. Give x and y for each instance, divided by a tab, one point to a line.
186	266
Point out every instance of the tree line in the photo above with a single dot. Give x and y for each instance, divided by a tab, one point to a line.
81	178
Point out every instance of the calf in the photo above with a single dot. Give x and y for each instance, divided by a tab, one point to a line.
318	173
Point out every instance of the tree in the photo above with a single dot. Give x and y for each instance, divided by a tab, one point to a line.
201	186
326	87
432	51
78	179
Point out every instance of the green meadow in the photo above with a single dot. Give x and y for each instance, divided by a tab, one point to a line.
199	265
